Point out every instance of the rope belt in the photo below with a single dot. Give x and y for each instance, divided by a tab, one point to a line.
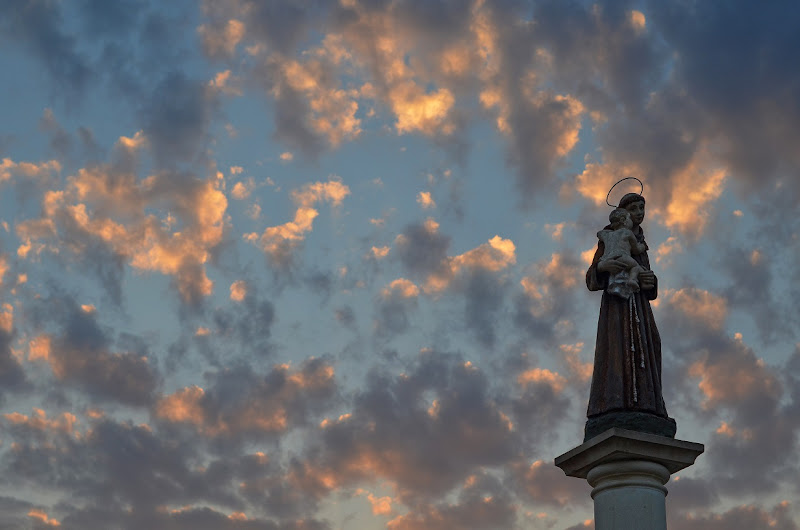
633	315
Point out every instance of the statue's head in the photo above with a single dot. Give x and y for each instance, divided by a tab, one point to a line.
620	217
634	204
629	198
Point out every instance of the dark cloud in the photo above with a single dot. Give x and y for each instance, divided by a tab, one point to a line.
755	408
240	403
686	494
248	323
485	296
12	375
426	430
737	518
14	512
543	484
38	27
82	354
182	519
129	476
176	117
422	249
345	316
483	503
392	314
749	104
552	286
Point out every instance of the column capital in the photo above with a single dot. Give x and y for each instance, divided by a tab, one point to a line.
617	444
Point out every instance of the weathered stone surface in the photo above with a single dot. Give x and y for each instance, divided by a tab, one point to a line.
627	471
631	420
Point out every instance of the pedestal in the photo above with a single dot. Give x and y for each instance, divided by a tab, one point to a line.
627	471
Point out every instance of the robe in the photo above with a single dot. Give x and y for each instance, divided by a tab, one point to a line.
625	379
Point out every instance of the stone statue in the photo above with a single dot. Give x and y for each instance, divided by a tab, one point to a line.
626	382
619	242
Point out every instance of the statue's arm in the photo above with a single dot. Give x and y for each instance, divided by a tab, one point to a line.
596	280
652	294
636	247
649	282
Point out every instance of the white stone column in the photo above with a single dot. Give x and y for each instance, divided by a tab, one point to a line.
627	471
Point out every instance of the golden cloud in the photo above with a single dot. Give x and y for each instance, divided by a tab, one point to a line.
279	242
238	291
222	40
402	287
699	306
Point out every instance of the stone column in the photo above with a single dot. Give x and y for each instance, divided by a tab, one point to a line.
627	471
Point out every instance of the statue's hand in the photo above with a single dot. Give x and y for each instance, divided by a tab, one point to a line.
611	266
647	280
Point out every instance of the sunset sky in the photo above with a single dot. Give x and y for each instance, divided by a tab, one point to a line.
319	265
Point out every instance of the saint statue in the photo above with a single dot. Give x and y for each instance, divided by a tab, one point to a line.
626	382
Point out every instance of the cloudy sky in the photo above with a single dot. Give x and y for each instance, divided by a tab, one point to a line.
320	265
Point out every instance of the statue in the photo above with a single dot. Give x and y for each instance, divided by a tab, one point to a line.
626	381
619	242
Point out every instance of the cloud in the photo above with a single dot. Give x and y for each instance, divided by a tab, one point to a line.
449	422
104	216
546	485
709	84
425	200
176	116
309	90
38	28
280	242
396	301
482	503
699	308
221	40
41	172
738	517
238	290
240	404
401	287
423	250
80	353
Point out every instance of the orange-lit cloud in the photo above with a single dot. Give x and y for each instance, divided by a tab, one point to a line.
238	290
581	370
596	180
219	41
542	376
637	20
182	406
225	83
425	200
39	348
494	255
732	380
699	306
331	110
401	287
279	242
261	408
42	516
693	192
380	252
38	421
115	209
8	168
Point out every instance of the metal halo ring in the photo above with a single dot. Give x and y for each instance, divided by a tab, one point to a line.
615	185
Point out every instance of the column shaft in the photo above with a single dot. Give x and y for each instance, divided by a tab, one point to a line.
629	495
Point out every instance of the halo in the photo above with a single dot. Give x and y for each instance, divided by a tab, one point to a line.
615	185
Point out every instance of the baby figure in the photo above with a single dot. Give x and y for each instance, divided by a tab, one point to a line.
620	242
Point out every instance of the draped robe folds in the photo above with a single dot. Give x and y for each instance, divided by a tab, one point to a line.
625	380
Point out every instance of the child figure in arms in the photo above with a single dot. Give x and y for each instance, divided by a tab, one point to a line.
619	243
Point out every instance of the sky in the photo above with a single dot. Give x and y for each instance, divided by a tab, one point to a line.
319	265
